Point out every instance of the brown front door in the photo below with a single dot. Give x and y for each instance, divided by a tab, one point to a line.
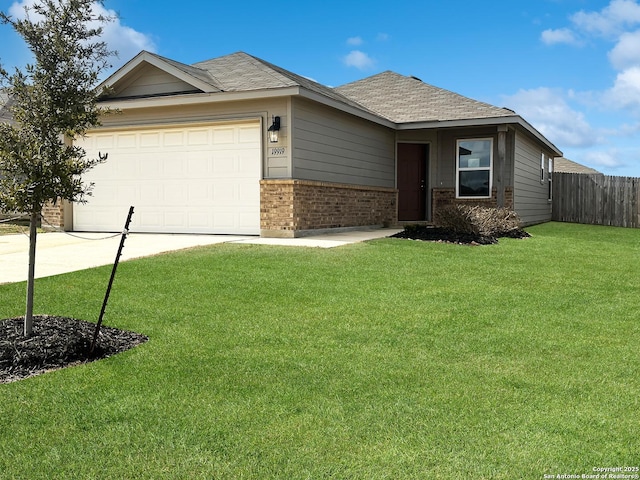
412	181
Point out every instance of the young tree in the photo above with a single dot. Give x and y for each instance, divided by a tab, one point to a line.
54	100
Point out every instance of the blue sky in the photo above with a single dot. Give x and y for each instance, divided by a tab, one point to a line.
569	67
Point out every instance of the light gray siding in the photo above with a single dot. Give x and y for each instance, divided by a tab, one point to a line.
530	195
150	80
332	146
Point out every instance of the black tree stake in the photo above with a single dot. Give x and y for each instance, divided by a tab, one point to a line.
113	275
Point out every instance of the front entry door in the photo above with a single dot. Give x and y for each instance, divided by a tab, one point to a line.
412	181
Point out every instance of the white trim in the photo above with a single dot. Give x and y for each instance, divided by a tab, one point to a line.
474	169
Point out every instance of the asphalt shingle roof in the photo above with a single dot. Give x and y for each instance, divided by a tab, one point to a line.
404	99
389	95
239	72
564	165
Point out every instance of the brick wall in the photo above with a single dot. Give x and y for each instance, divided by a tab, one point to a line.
442	197
53	215
289	208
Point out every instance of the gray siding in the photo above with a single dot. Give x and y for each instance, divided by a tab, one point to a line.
151	80
530	195
332	146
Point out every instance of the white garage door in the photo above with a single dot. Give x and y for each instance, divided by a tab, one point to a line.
189	179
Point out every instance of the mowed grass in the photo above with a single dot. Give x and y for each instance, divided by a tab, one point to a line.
389	359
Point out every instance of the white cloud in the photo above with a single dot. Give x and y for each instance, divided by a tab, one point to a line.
359	60
547	110
560	35
625	92
355	41
611	20
603	158
125	40
626	53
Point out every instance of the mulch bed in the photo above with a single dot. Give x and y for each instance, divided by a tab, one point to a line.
56	342
429	233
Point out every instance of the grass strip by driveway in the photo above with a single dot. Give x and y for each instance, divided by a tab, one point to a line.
385	359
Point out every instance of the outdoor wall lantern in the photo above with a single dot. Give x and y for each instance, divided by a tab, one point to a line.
274	129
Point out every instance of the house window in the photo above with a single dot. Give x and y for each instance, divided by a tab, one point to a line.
550	178
542	168
474	168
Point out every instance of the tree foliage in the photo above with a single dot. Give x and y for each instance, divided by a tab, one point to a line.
53	101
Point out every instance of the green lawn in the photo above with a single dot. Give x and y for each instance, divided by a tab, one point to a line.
391	359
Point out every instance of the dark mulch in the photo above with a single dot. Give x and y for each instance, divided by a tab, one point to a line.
56	342
429	233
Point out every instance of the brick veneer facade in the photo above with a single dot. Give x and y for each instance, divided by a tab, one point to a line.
443	197
291	208
53	215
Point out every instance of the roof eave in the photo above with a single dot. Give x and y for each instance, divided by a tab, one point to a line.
196	98
471	122
215	97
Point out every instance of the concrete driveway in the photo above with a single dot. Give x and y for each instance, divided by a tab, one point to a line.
58	252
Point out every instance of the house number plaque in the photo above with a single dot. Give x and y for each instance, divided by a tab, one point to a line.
277	151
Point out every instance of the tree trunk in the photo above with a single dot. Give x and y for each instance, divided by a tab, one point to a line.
28	318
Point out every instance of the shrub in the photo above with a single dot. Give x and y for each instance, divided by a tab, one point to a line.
477	220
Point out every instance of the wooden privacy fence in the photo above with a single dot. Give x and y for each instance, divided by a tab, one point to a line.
596	199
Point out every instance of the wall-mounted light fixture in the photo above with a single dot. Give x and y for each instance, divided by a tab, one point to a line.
274	129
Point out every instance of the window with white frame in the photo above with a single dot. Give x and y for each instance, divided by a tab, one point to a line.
542	168
474	168
550	175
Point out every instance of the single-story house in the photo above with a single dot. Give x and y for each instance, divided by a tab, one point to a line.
237	145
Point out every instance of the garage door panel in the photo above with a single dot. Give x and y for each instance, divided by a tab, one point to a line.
198	165
173	139
126	168
224	136
248	136
100	217
102	141
172	165
149	140
197	179
150	165
198	137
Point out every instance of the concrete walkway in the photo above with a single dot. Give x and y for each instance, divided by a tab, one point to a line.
58	253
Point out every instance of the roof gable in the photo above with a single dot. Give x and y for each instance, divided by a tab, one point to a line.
149	80
404	99
148	74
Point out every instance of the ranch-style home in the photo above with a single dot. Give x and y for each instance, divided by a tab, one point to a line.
237	145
